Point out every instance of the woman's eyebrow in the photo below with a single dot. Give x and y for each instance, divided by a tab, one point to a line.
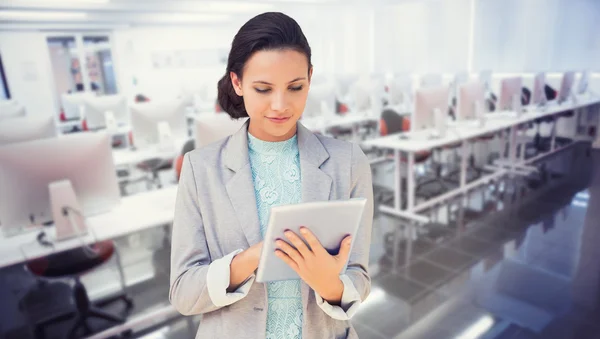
268	83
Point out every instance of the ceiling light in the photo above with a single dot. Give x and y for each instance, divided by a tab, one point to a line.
39	15
189	17
73	1
231	6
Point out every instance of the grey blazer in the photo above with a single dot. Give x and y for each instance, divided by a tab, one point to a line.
216	215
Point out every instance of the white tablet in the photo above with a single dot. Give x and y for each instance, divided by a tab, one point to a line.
329	221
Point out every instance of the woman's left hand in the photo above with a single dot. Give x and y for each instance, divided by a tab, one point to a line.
319	269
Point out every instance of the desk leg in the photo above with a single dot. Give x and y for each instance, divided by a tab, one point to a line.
522	144
120	268
597	142
410	179
397	180
512	147
463	164
553	134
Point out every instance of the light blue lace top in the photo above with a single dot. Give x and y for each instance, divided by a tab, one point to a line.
276	175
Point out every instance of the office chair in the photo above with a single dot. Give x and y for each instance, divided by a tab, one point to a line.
153	167
188	146
72	264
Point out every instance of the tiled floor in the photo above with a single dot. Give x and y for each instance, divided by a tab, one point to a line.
530	270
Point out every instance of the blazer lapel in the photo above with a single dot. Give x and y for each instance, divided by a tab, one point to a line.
240	187
316	184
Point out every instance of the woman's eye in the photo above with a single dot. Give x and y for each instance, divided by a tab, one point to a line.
262	90
296	89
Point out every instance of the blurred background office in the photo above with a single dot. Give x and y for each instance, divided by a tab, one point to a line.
480	119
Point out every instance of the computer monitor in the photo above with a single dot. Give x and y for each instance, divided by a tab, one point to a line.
146	119
214	127
485	77
73	103
460	78
427	102
509	89
319	95
11	109
344	83
400	90
26	128
431	80
361	93
566	86
97	107
471	98
26	170
538	97
584	82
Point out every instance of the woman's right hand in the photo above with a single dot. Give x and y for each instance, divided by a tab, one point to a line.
254	252
243	265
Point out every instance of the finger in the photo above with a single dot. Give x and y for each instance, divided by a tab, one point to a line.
313	241
289	261
299	244
345	249
289	251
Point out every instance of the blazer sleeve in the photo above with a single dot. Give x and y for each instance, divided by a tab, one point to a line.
356	280
197	283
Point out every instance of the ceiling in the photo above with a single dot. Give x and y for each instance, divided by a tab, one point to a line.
93	14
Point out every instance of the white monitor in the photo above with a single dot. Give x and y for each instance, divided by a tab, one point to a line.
72	104
400	90
214	127
11	109
344	84
427	102
361	96
26	129
584	82
509	89
471	98
26	170
566	86
431	80
460	78
319	95
485	77
538	97
97	107
146	118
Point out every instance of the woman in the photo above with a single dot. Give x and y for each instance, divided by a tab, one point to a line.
227	188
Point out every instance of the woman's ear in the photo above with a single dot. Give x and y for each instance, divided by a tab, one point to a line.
236	83
310	72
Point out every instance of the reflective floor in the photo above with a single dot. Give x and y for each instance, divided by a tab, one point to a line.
507	262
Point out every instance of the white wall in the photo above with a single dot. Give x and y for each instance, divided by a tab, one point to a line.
134	50
28	71
537	35
423	36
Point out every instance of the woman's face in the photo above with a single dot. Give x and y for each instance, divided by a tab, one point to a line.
275	87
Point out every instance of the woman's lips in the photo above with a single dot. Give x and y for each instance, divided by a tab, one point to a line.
279	120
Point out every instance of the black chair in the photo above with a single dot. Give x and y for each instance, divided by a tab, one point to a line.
72	264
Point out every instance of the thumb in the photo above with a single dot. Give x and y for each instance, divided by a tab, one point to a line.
345	249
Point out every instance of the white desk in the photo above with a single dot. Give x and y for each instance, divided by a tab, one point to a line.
124	157
322	124
135	213
459	132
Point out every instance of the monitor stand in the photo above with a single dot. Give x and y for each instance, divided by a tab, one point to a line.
66	211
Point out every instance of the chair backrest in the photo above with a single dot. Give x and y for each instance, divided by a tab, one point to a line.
551	93
392	122
188	146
